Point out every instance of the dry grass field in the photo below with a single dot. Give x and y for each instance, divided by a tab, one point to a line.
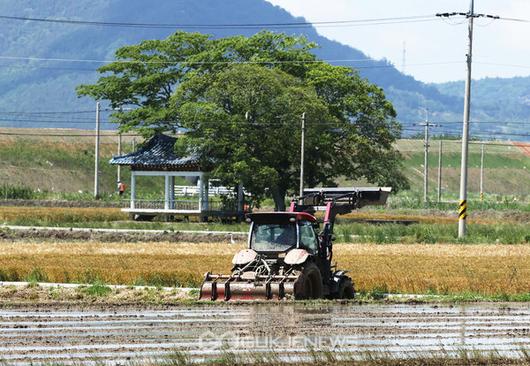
57	160
58	215
442	268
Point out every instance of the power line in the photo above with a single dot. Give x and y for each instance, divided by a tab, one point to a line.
519	20
485	133
503	64
265	62
47	68
351	22
74	120
44	59
490	142
63	135
49	112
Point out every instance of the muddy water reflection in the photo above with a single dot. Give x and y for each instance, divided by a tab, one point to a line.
29	335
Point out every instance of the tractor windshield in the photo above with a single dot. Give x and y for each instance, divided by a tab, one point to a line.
273	237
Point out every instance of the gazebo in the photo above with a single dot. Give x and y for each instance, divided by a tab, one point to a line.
157	158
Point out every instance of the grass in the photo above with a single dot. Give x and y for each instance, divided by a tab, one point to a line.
56	216
358	358
414	200
506	168
513	233
97	289
8	191
52	167
446	269
55	168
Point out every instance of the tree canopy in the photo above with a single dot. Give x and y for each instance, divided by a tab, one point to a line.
240	101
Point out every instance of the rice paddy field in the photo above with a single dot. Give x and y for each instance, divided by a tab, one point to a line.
452	269
424	257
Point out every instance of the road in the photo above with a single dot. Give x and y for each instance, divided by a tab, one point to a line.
121	334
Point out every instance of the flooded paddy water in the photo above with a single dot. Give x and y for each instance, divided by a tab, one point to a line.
121	334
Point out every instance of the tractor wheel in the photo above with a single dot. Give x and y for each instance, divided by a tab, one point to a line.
309	284
346	290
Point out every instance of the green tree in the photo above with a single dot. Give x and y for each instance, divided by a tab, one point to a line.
245	122
241	99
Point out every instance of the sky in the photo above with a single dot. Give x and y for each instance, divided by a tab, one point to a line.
501	48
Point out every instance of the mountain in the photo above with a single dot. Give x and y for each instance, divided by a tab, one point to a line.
37	86
502	105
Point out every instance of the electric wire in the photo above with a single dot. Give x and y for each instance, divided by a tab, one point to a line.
351	22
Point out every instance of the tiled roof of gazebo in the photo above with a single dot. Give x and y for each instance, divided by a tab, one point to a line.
158	152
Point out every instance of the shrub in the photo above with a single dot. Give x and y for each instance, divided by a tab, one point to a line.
10	192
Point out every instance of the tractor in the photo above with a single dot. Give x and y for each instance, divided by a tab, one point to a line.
289	256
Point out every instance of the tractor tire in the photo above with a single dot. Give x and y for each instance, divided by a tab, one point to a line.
309	284
346	290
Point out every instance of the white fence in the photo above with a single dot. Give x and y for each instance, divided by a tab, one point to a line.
184	191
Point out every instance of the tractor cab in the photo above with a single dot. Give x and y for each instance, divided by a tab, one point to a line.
277	232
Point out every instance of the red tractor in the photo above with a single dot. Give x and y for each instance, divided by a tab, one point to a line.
288	255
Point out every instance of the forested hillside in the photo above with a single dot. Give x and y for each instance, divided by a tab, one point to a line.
503	105
30	84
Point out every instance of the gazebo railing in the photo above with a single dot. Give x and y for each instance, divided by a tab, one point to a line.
218	206
184	205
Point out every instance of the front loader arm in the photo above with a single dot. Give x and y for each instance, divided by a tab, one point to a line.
337	201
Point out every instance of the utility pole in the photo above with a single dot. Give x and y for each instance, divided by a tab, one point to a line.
302	148
426	125
120	110
462	210
119	154
96	154
482	172
440	172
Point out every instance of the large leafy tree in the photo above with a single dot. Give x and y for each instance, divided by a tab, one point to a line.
241	99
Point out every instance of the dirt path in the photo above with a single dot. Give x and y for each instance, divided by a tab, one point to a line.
118	335
118	235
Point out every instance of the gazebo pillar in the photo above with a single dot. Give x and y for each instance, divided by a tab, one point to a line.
166	192
133	190
172	192
203	192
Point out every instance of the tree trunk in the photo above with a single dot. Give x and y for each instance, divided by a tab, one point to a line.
278	195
